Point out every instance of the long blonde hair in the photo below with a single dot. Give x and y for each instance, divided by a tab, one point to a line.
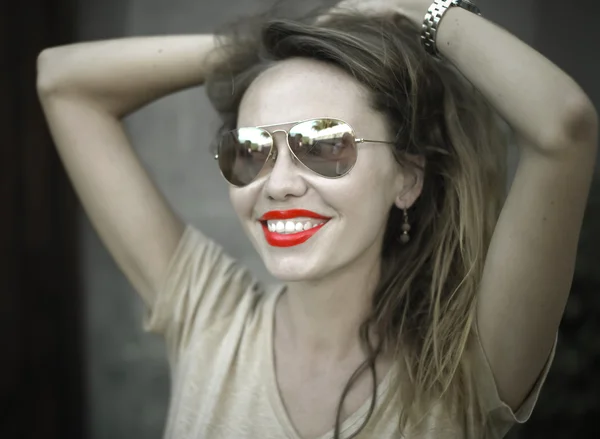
423	307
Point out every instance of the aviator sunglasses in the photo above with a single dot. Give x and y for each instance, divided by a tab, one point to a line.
325	146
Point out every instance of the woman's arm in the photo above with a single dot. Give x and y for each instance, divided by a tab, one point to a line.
123	75
544	106
85	89
530	263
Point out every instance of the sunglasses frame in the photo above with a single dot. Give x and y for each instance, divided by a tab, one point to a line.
357	140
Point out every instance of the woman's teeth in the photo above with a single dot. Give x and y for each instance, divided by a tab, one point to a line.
290	226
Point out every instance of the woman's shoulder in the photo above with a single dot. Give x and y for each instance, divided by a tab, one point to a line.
206	289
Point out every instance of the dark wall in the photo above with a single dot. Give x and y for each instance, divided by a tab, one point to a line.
41	354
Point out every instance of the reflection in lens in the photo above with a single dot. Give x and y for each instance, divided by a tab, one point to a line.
243	153
325	146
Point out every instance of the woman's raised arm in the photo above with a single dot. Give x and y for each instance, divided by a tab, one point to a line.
85	89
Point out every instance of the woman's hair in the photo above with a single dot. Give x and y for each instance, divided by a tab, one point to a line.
423	306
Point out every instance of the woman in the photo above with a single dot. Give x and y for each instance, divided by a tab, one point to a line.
369	177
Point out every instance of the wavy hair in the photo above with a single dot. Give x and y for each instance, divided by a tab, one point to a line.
423	307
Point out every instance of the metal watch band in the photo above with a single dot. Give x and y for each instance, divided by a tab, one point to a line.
433	18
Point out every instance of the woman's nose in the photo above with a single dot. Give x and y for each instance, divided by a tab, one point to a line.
285	179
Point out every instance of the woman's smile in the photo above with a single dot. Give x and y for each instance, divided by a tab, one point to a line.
288	228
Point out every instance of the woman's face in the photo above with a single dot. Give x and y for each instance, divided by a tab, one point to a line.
356	206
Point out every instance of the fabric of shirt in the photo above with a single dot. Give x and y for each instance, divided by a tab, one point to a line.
217	321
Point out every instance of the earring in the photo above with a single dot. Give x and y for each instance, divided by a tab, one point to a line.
405	237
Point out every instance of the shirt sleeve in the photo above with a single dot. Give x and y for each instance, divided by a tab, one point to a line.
203	286
500	415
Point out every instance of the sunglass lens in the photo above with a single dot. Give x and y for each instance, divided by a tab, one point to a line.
325	146
243	154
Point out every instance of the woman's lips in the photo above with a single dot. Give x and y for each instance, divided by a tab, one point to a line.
291	238
288	239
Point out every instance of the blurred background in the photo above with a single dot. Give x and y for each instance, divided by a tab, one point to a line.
74	362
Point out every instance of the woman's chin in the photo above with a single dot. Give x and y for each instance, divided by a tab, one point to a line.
293	271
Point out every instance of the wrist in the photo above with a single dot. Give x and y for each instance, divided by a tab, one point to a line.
437	16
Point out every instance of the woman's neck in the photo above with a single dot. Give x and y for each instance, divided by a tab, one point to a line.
322	318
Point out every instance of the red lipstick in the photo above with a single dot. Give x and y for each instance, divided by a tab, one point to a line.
291	239
289	214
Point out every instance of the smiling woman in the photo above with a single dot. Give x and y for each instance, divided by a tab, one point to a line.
369	176
414	178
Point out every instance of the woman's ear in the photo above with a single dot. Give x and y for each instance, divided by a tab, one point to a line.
410	182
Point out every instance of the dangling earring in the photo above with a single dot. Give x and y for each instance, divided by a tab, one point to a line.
405	237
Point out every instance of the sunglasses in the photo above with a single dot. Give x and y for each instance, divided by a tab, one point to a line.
325	146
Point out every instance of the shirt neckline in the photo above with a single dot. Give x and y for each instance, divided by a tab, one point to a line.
274	396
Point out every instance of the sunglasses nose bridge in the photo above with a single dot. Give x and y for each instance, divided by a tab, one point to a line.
286	135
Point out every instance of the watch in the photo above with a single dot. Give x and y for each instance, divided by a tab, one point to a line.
434	16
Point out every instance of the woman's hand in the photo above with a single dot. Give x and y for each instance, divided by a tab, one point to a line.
414	10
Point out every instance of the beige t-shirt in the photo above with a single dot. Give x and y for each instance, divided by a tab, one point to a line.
217	320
